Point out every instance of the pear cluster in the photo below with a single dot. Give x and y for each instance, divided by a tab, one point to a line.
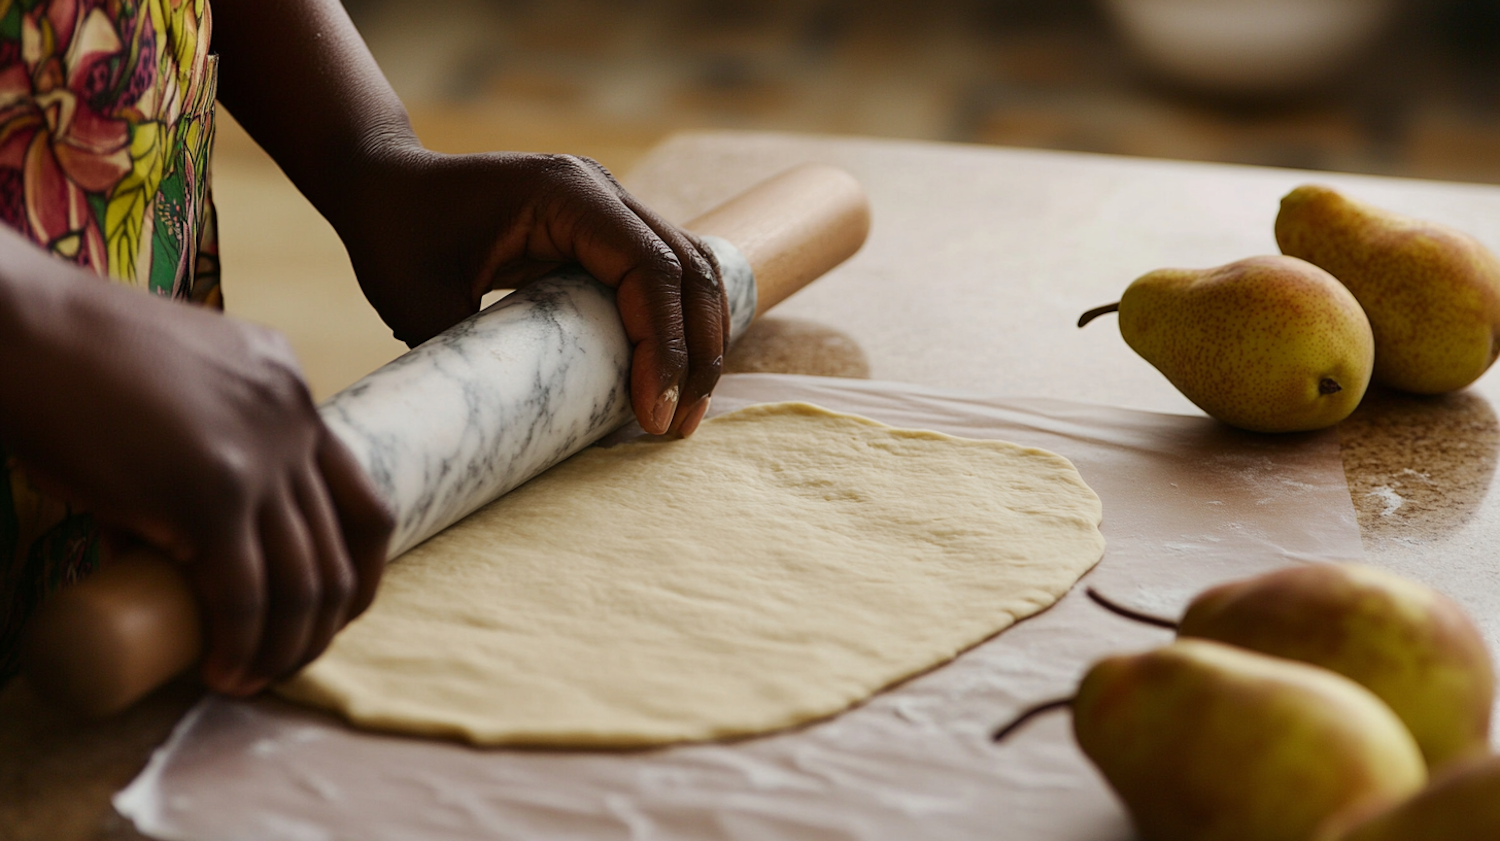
1290	342
1327	702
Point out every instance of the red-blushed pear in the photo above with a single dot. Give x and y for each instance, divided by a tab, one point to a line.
1412	646
1208	742
1268	344
1432	293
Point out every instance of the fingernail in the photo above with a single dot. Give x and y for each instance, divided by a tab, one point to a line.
694	417
666	407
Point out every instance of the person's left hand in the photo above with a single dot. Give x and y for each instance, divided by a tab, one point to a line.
430	234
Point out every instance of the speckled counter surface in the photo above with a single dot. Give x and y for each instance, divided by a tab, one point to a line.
981	259
979	262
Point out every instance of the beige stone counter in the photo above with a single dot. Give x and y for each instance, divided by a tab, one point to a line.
978	265
980	261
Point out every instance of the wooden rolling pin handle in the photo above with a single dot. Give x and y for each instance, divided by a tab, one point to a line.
792	228
99	646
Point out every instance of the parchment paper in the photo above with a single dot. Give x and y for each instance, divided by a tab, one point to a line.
1187	503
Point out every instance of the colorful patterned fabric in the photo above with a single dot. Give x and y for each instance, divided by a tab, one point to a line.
106	128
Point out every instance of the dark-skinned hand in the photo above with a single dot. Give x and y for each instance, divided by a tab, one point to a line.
430	234
193	432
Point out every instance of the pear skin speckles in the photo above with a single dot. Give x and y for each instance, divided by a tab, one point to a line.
1432	293
1268	344
1412	646
1203	740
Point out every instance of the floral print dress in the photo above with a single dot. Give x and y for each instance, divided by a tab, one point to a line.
106	128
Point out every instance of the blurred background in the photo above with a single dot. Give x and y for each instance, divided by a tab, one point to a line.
1392	87
1409	86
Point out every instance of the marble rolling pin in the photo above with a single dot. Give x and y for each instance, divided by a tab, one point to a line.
455	423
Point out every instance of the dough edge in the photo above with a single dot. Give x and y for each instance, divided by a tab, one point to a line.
343	697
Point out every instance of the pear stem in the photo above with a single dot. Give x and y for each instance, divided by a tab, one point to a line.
1129	613
1028	714
1098	311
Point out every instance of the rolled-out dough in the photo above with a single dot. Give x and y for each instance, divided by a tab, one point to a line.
781	565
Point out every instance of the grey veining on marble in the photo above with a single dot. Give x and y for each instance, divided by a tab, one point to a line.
500	397
739	284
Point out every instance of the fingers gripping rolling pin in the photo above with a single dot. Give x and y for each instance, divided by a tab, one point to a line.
455	423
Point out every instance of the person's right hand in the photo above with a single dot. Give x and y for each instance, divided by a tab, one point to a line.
195	433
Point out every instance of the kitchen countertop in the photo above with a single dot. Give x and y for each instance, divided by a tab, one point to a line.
979	262
981	259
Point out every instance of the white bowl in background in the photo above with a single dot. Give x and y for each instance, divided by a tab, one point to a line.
1249	47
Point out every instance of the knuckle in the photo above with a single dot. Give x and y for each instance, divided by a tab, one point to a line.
696	269
277	381
658	267
569	167
282	389
588	166
668	265
296	595
338	589
709	258
227	478
706	280
589	162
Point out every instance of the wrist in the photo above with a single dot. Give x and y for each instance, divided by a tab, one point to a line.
367	174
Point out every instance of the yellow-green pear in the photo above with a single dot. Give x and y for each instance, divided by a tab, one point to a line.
1462	805
1432	293
1269	344
1412	646
1208	742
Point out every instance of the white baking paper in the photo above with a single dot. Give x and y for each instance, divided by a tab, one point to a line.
1188	503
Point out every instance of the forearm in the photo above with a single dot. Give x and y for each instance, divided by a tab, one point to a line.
34	291
297	75
194	432
428	234
56	321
